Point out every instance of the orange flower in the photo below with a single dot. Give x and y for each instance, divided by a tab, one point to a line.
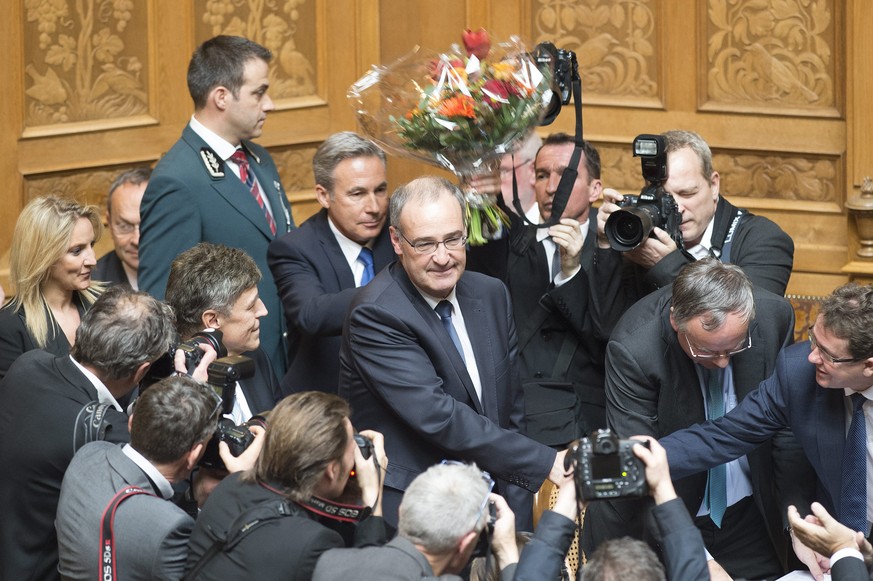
457	106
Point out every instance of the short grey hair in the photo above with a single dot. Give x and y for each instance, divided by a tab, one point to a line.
711	289
122	330
678	139
208	276
338	148
442	505
135	177
424	189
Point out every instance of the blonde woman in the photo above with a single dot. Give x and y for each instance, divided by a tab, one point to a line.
50	269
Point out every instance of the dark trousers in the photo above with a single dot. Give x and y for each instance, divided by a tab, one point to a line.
741	546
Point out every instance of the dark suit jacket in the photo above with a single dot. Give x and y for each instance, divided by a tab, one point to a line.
15	339
150	533
185	204
42	397
789	398
109	269
567	405
759	247
652	389
261	391
404	378
284	548
850	569
543	556
316	286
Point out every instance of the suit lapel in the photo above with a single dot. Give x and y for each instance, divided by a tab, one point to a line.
344	276
478	329
229	186
439	332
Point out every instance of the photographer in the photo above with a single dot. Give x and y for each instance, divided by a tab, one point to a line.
681	541
216	287
274	521
443	514
45	413
170	426
547	273
710	226
688	353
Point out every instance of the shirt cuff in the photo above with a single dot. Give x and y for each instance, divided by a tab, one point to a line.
847	552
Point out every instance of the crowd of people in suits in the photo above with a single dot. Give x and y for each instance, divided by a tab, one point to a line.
448	379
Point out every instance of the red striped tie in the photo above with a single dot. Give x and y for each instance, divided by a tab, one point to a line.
248	178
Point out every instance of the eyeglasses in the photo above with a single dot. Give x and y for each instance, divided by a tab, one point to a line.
216	411
455	243
698	353
827	356
505	171
124	228
486	478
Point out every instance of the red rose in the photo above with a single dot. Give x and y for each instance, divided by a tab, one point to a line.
496	92
477	43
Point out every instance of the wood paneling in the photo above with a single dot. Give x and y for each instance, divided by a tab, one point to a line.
778	89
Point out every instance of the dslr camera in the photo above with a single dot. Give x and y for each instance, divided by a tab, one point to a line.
223	374
605	467
165	366
654	207
564	69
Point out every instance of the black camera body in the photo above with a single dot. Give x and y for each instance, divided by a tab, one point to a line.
223	374
605	467
165	365
365	444
564	68
654	207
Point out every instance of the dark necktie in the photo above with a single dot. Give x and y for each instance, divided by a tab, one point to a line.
716	482
247	177
853	493
444	310
556	262
366	258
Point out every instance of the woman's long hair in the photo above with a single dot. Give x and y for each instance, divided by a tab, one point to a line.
42	236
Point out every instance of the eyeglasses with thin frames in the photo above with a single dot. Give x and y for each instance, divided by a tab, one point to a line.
486	478
454	243
124	228
825	356
505	171
698	353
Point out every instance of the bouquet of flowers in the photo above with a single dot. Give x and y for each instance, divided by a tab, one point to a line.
461	110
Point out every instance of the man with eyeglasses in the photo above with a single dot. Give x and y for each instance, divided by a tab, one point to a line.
688	353
122	215
170	426
429	357
443	514
546	270
820	389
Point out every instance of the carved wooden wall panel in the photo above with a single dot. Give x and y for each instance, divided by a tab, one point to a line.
85	60
617	43
776	57
283	26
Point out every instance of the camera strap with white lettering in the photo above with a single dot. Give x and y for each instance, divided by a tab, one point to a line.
107	537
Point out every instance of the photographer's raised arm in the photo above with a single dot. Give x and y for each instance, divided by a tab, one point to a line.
371	471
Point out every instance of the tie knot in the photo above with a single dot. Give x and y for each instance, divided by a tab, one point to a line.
239	157
366	256
444	309
858	400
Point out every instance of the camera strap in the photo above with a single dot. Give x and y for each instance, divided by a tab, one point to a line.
570	173
723	252
108	565
90	424
337	511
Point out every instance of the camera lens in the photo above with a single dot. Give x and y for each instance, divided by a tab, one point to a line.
626	229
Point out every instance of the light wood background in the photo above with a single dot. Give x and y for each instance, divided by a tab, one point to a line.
781	90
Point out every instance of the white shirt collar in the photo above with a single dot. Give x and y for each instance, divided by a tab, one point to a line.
165	489
218	144
350	248
103	393
701	250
